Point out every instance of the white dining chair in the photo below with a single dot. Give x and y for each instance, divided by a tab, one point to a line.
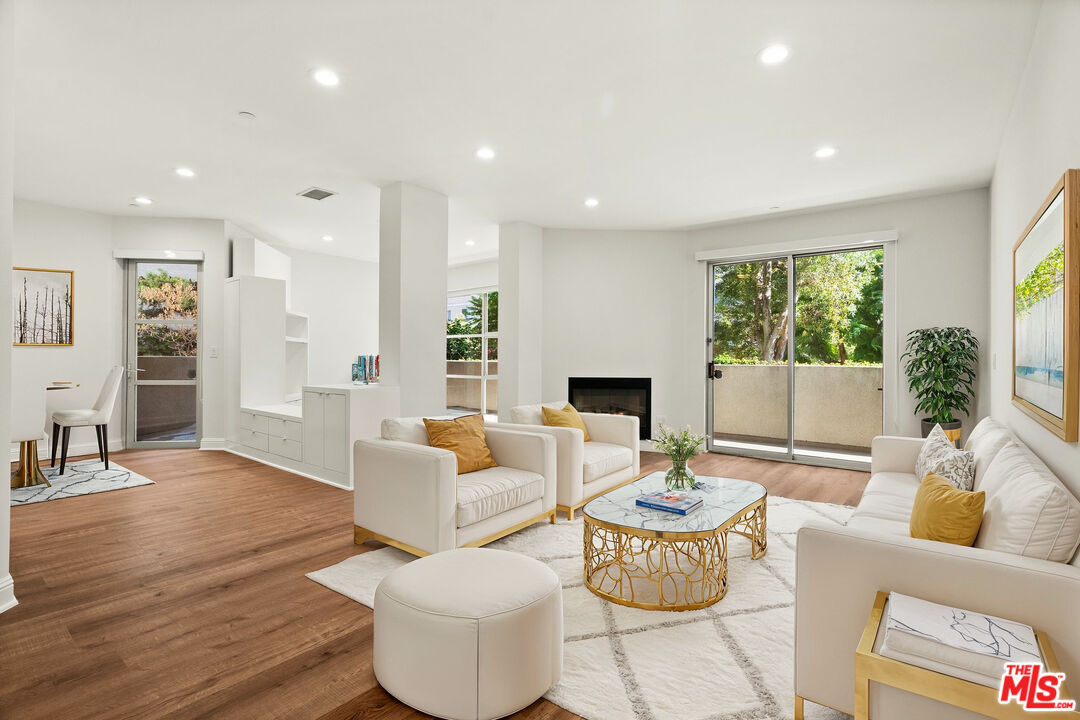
97	416
27	428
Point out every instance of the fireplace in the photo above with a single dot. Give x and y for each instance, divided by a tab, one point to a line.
614	396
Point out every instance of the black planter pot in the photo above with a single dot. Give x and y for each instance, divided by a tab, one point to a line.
928	425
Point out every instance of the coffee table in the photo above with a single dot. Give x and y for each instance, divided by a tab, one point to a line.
657	560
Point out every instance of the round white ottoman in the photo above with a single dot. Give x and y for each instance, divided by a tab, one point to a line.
469	634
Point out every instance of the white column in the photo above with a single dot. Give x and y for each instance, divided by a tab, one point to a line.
521	260
7	40
412	296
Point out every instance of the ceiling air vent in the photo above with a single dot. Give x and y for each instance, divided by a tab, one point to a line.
316	193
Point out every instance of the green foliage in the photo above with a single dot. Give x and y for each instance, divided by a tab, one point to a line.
837	309
474	313
940	368
679	445
461	348
750	313
471	323
1045	279
732	360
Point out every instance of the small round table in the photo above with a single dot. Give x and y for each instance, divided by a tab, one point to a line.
28	472
657	560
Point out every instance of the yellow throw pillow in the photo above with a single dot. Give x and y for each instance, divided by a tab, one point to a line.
465	437
945	514
567	417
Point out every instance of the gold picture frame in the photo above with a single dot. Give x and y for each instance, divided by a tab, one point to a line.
1046	312
43	307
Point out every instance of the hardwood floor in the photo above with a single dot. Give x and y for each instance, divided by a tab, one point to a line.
187	599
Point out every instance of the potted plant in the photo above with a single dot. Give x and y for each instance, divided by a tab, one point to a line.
940	368
680	446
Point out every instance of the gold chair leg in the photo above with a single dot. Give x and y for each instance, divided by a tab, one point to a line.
552	518
798	708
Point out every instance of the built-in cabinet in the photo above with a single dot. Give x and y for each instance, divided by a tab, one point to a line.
273	414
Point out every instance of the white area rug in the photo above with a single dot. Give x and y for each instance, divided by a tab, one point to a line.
731	661
85	477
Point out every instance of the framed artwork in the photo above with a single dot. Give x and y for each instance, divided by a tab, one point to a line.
43	304
1046	311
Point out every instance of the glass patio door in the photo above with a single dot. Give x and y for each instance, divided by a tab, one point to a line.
163	390
749	385
795	356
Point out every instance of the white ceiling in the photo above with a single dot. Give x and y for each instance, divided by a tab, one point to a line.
659	109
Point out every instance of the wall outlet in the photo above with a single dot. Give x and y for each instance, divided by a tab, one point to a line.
212	351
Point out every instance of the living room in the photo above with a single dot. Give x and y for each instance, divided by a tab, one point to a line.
343	285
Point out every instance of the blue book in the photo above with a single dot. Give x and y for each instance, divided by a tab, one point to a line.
669	501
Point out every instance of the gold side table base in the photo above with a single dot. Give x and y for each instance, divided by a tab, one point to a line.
28	473
681	571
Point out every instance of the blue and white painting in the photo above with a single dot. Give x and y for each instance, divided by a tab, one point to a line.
1039	312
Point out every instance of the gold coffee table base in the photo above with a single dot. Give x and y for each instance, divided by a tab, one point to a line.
653	570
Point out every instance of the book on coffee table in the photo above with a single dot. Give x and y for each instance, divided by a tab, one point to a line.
961	643
670	501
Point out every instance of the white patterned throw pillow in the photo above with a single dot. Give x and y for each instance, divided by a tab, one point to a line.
940	456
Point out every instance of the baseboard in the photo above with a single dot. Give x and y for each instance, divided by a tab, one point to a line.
74	450
7	593
213	444
287	469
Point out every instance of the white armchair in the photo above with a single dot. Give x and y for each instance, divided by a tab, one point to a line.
585	469
409	495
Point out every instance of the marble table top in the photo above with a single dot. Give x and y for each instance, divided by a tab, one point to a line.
723	499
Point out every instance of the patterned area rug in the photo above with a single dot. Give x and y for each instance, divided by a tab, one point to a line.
730	661
85	477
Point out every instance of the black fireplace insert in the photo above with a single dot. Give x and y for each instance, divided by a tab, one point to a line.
614	396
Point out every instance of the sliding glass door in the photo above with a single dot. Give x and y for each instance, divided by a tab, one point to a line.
795	356
472	353
163	354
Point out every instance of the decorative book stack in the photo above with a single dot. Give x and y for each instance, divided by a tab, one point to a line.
366	369
963	644
668	501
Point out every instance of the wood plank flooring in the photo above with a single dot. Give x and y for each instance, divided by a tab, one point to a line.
187	599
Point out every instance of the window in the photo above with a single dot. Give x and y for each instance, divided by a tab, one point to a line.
472	352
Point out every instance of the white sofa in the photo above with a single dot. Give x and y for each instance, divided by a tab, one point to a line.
409	495
839	570
585	469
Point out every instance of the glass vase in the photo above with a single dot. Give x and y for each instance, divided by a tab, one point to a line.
679	477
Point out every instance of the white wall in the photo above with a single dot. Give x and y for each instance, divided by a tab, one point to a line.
616	304
51	236
1041	141
634	303
7	589
941	269
341	296
472	276
58	238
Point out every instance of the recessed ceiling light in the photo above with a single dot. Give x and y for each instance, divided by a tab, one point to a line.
774	55
185	172
328	238
591	202
470	242
774	207
245	115
326	77
485	153
825	151
142	200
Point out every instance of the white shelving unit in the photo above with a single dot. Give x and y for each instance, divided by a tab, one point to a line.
274	415
296	353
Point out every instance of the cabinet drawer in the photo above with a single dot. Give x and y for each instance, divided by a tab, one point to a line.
251	421
253	439
285	429
286	448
